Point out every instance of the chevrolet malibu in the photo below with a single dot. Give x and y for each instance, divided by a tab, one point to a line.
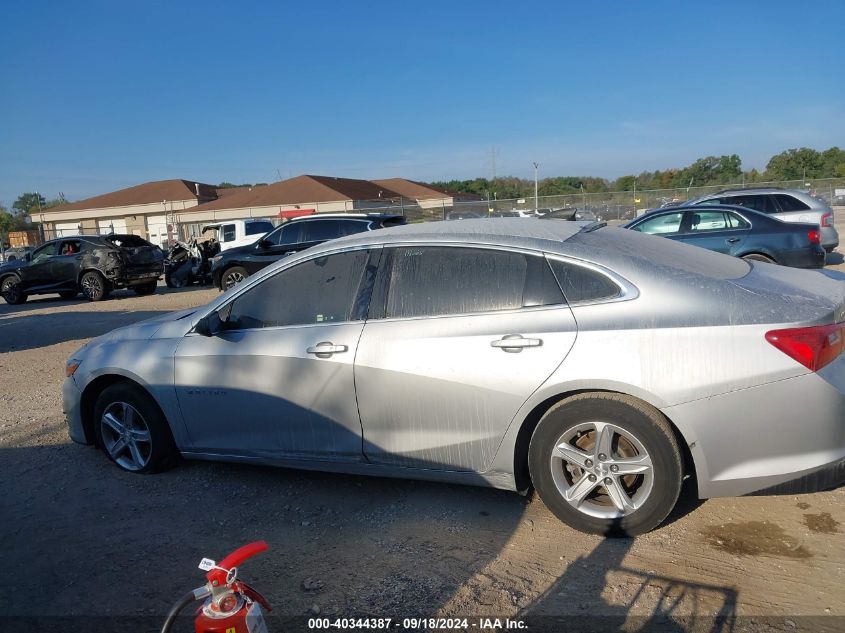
599	365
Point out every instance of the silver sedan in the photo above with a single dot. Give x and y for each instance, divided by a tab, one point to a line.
598	365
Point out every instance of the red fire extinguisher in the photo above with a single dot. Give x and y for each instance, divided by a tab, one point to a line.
231	606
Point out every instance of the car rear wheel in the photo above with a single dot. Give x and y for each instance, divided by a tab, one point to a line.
11	291
606	464
757	257
132	430
232	276
68	294
94	286
146	289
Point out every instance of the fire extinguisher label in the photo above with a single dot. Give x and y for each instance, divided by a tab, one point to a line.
255	619
206	564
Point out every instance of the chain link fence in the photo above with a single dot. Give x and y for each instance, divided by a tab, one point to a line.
610	205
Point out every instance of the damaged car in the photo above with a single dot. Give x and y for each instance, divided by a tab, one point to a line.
91	264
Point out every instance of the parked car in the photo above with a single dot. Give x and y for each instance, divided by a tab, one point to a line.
600	365
463	215
571	214
234	233
236	264
789	205
15	253
91	264
737	231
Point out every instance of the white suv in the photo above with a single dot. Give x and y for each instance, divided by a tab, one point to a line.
789	205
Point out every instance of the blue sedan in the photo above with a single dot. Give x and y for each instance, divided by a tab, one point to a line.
737	231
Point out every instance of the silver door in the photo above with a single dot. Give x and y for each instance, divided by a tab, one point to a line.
279	385
440	391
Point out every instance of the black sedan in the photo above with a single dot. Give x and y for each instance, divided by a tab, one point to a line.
91	264
737	231
236	264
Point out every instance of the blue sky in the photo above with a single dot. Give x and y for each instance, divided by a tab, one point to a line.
101	95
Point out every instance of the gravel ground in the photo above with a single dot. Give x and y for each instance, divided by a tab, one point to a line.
81	538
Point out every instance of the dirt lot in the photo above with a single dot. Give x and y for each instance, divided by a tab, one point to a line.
82	538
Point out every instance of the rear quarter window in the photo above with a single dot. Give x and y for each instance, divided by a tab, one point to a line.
788	203
126	241
582	284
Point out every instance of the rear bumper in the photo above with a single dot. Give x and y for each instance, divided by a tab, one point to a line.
814	257
769	439
830	238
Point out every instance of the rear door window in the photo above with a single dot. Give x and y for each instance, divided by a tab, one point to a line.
701	221
788	203
439	281
70	247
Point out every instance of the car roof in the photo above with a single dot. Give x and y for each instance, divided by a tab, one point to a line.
513	232
701	208
351	216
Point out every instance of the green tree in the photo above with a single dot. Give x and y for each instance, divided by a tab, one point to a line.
28	203
794	164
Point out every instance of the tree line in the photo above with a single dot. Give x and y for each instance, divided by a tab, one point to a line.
792	164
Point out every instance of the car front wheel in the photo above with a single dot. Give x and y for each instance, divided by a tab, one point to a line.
11	291
132	430
606	464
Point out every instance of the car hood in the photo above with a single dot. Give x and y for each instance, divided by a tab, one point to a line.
170	324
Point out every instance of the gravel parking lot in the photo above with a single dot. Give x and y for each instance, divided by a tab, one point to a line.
83	538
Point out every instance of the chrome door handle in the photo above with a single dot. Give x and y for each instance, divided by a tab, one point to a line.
326	349
732	240
513	343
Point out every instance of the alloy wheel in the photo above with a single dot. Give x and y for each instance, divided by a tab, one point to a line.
126	436
91	285
232	278
602	470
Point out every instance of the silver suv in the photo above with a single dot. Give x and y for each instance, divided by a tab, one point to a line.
789	205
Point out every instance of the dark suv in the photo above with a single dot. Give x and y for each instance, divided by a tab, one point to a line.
236	264
91	264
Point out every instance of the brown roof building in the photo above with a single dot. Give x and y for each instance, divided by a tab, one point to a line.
296	196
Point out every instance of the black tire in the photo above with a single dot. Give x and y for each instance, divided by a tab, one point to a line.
157	453
652	496
10	289
68	294
758	257
94	286
232	275
146	289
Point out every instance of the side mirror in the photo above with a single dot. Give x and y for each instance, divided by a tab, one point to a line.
263	243
209	325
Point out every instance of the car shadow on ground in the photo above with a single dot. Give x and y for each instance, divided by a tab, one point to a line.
834	259
58	327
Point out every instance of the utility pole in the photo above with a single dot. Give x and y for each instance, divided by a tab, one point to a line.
536	198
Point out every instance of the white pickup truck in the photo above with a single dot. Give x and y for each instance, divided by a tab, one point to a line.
232	233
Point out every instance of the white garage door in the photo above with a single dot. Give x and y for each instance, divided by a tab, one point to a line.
157	226
116	225
67	228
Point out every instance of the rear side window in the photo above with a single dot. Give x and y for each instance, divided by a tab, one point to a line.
708	221
759	202
228	233
321	230
351	227
320	290
580	283
126	241
257	228
788	203
737	222
438	281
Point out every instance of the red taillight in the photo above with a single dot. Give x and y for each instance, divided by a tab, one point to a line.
827	219
813	347
815	236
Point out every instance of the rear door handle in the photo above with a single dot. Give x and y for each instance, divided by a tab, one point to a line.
514	343
325	349
732	240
